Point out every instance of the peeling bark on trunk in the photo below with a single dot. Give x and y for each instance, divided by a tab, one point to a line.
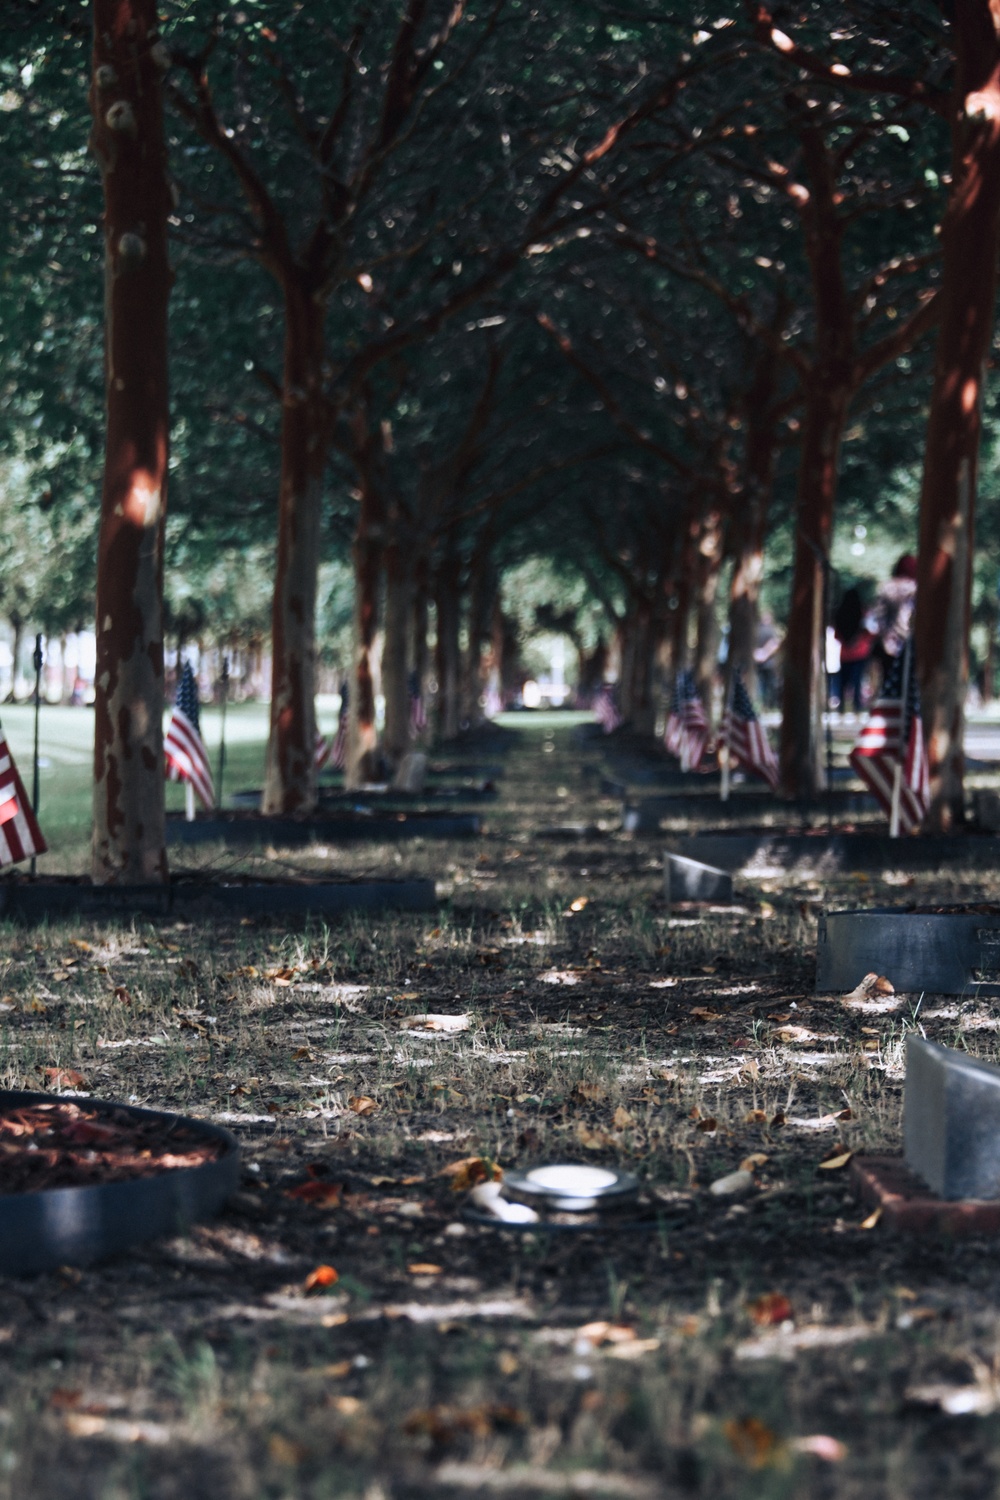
395	653
802	752
290	778
969	243
447	604
127	106
369	547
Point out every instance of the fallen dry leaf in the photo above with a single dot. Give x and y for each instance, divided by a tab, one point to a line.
753	1161
424	1268
838	1158
871	987
751	1441
579	903
593	1140
732	1185
362	1105
285	1451
470	1172
755	1117
589	1093
320	1194
435	1023
872	1218
771	1308
622	1119
708	1126
829	1449
67	1078
323	1276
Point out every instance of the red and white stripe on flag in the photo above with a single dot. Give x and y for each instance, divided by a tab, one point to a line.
749	746
20	835
322	752
876	757
186	757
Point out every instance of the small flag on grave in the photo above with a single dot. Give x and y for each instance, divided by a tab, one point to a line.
338	754
322	751
606	709
183	748
686	733
20	835
418	713
890	756
745	736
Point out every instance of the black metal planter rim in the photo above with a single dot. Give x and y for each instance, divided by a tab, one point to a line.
78	1226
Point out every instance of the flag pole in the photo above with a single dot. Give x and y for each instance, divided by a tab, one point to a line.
724	751
38	661
224	679
897	775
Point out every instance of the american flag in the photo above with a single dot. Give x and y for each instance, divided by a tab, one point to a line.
338	751
893	736
746	736
418	713
322	750
686	734
606	710
20	835
183	748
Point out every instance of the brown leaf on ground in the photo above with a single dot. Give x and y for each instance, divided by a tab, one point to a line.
622	1119
443	1424
771	1308
284	1451
751	1441
753	1161
362	1104
65	1078
708	1126
871	987
319	1194
589	1093
318	1280
838	1157
424	1268
593	1140
470	1171
755	1117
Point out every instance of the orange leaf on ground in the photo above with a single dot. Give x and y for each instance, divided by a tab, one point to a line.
772	1307
362	1104
65	1078
424	1268
751	1441
470	1172
323	1276
579	903
321	1194
622	1118
838	1157
709	1125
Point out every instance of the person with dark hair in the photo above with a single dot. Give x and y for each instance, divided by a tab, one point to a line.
855	648
890	620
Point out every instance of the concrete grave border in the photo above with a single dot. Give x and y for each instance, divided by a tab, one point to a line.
943	953
763	854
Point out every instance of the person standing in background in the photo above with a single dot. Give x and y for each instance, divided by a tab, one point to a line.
890	620
855	649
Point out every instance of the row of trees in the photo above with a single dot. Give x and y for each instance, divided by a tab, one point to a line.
463	284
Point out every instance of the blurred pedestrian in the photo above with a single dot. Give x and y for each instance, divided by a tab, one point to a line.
890	620
855	649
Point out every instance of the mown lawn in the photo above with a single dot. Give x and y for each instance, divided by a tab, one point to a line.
764	1346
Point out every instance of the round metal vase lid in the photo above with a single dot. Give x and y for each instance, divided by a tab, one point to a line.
571	1187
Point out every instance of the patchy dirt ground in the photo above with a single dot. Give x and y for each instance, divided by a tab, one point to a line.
772	1344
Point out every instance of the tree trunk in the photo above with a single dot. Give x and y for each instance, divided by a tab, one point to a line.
802	767
447	603
969	242
290	778
750	516
127	104
642	705
710	553
369	547
482	592
421	602
395	654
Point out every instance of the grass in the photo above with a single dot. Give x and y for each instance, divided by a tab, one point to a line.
617	1032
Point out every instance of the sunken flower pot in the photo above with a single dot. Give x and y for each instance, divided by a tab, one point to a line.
190	1172
941	950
